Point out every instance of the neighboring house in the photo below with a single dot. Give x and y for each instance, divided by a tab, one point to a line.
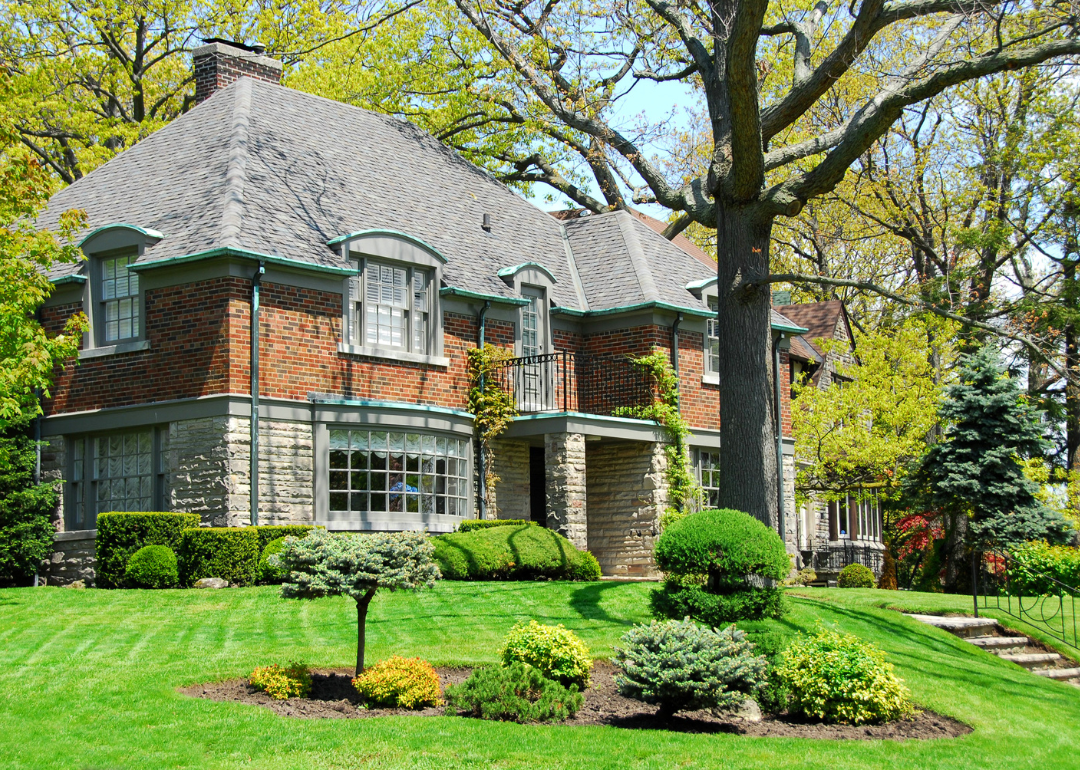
372	258
836	533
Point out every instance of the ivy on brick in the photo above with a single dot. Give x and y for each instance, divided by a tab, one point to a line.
493	409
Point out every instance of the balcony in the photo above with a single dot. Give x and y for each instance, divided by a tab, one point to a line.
575	382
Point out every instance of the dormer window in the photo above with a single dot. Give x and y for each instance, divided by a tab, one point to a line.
712	339
120	306
391	307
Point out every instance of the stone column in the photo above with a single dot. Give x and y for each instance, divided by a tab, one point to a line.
564	461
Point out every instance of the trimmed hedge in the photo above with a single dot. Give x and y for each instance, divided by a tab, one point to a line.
152	566
270	532
229	553
471	525
855	576
512	553
676	601
119	535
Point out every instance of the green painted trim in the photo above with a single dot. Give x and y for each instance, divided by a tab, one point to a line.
321	401
694	311
508	272
793	329
452	291
392	233
699	285
68	279
592	417
145	231
229	251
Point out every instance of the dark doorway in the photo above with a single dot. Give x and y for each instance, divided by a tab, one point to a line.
537	486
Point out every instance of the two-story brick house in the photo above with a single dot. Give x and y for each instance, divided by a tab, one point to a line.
371	258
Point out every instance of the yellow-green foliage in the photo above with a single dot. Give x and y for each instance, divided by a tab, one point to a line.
856	576
282	682
397	682
557	653
839	678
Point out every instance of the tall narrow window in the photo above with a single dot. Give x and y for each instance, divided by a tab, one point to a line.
119	298
420	311
712	339
78	489
531	341
709	476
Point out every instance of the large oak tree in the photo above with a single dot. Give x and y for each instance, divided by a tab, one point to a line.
773	150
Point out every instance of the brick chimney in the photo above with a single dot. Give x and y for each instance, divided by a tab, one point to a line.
220	62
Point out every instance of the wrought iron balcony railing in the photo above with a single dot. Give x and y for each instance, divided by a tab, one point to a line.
575	382
839	555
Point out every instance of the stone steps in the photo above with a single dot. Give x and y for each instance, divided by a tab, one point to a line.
986	634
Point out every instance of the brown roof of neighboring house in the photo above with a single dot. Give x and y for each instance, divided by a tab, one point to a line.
820	319
801	349
654	224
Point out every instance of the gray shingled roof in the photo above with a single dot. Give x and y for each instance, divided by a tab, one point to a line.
275	171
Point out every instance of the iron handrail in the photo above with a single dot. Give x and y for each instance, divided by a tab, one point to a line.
1044	610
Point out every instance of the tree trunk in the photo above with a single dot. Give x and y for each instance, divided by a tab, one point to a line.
747	436
1072	391
361	621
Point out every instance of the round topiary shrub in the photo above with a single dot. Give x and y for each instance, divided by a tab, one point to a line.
268	573
680	666
839	678
407	683
720	564
855	576
557	653
152	566
282	682
514	693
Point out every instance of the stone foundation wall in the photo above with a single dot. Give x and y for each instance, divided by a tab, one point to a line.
627	493
512	468
72	559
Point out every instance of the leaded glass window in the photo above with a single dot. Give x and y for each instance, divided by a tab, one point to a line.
709	476
397	472
123	472
120	298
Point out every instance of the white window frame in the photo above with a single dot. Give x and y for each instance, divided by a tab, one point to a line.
707	483
711	324
116	306
361	303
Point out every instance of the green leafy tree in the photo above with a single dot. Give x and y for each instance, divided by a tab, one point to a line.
26	531
975	476
322	564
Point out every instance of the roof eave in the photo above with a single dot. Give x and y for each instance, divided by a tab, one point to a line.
231	251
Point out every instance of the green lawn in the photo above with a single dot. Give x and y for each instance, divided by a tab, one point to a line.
88	678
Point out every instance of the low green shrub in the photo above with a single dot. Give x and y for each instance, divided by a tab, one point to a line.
119	535
1033	563
719	564
397	682
558	653
229	553
268	533
471	525
269	574
152	566
514	693
839	678
675	600
282	682
512	553
681	666
856	576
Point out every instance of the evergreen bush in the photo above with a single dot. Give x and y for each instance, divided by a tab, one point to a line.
512	553
514	693
152	566
282	682
26	508
839	678
720	564
471	525
268	573
407	683
119	535
229	553
855	576
681	666
270	532
558	653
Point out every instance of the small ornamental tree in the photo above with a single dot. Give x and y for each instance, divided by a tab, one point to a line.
975	473
322	564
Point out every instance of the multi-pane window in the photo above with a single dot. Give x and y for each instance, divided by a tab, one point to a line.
708	463
530	327
123	472
397	472
712	339
856	517
392	307
120	298
78	485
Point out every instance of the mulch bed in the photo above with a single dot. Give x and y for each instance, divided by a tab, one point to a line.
333	697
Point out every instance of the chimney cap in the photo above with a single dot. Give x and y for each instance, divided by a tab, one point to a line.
253	47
